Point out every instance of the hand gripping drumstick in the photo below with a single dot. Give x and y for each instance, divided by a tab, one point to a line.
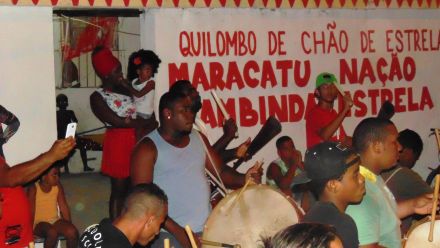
258	166
434	208
222	108
191	237
166	243
218	244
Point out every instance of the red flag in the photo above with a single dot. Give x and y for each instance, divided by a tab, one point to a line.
85	39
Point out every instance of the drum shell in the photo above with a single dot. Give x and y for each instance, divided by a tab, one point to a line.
260	212
418	234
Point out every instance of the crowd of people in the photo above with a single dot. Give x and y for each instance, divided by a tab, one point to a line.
355	190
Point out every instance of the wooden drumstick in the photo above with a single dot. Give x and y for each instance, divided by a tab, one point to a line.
166	243
218	244
259	164
437	136
222	107
434	208
191	236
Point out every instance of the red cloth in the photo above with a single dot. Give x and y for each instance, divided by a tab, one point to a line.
104	62
85	40
16	211
318	118
117	147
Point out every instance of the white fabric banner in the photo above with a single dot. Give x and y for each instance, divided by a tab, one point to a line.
264	62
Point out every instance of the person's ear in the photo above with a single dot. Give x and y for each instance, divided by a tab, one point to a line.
377	146
167	113
316	93
149	221
333	186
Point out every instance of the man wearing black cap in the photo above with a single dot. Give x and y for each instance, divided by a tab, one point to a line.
333	173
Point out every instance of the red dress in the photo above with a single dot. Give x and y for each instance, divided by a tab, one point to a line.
118	142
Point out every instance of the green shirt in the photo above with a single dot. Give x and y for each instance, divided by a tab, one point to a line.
376	216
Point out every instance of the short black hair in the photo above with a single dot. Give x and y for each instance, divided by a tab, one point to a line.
302	235
168	100
370	130
411	140
281	140
181	86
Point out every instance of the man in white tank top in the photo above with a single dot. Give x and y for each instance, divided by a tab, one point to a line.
174	158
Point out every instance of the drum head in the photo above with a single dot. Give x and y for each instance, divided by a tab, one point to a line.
260	212
418	236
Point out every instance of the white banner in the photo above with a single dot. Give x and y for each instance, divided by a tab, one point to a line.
263	62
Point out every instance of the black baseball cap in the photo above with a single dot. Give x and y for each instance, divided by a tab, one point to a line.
325	161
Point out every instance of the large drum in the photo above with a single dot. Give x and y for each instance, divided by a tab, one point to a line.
418	235
259	212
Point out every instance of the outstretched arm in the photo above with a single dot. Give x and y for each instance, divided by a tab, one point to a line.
25	172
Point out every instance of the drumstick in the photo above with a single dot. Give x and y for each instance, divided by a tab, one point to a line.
434	208
166	243
259	164
222	107
339	88
190	235
437	136
218	244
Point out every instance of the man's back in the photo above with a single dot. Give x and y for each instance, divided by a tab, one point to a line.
104	235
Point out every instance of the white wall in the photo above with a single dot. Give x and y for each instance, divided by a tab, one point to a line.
27	79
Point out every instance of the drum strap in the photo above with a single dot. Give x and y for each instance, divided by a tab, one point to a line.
392	175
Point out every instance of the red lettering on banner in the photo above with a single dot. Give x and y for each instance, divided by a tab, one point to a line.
262	105
267	75
325	42
248	115
248	67
411	105
276	43
284	66
207	114
252	75
296	108
302	81
412	40
177	73
293	107
398	93
361	108
219	43
200	77
216	75
373	94
234	76
426	100
396	71
278	109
